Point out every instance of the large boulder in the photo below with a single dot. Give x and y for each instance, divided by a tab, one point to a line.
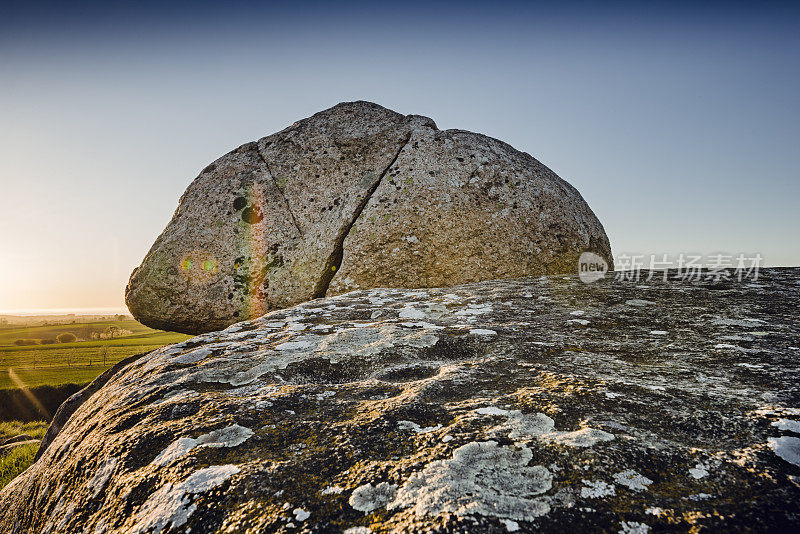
356	196
538	405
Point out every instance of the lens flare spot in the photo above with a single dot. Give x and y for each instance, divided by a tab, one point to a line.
199	267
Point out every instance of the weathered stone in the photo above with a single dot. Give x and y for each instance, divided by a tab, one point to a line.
533	404
357	196
459	207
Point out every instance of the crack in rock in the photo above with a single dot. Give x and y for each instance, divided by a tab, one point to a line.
278	187
335	259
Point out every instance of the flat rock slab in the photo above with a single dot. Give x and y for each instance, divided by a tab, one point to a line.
356	197
536	404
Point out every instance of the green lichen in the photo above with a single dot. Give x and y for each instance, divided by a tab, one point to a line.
281	182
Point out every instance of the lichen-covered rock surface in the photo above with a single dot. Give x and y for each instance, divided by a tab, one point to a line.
536	404
356	197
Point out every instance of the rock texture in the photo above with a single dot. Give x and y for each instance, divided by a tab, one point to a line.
74	401
537	404
356	196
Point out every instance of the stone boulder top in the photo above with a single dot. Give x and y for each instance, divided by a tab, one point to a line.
537	404
356	197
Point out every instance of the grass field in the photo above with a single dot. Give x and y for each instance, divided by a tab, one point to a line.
16	461
78	362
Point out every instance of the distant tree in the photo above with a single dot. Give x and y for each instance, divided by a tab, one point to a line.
26	342
48	341
113	331
66	337
86	332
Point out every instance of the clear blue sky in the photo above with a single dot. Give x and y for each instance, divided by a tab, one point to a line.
678	122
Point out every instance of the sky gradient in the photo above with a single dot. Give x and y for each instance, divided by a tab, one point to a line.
677	122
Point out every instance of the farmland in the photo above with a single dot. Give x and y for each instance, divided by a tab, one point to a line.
97	346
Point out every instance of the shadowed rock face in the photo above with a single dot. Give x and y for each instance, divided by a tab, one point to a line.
542	404
356	197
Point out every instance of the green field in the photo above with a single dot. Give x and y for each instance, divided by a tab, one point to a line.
78	362
15	462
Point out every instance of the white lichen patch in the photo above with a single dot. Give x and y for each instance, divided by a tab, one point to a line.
231	436
177	395
745	323
367	497
482	332
521	427
332	490
632	527
411	425
65	516
632	480
300	514
750	365
517	425
511	526
699	471
597	489
582	322
325	394
274	325
193	356
170	506
787	424
100	478
728	346
412	313
787	448
481	478
639	302
177	449
471	312
583	437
